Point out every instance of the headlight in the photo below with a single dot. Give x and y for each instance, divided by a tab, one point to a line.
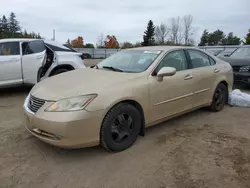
71	104
244	69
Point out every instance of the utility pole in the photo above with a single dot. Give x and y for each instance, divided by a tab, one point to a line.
54	35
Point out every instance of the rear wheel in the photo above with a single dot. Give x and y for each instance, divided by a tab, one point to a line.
219	98
120	127
59	71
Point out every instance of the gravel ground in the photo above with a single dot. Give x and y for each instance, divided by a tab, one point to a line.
199	149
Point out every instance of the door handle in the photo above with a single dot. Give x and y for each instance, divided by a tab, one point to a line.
14	59
188	77
216	70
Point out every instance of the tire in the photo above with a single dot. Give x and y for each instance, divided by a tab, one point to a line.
59	71
219	98
120	127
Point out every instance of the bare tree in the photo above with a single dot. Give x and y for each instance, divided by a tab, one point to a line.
188	30
100	41
175	30
161	33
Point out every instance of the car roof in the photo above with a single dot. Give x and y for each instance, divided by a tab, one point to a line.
245	46
162	48
18	40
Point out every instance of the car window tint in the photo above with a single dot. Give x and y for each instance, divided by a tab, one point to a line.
24	47
198	59
34	47
9	48
176	59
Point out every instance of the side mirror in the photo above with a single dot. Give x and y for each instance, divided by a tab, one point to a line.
226	55
166	71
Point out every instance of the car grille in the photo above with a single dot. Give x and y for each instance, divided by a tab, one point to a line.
244	69
236	68
35	104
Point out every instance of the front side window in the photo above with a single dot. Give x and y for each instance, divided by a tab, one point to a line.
241	53
9	48
176	59
33	47
198	59
130	60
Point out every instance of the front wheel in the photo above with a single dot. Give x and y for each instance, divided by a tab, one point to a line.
120	127
219	98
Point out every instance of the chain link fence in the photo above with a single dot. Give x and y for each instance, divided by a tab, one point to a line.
97	53
102	53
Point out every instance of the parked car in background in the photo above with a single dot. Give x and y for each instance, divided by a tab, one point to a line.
125	93
84	55
240	61
226	52
27	61
215	52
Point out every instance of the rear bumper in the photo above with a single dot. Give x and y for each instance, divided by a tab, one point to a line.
242	77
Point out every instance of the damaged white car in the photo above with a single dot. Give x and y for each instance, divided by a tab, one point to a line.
28	61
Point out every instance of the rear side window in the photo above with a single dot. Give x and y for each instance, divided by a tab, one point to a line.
33	47
198	59
9	48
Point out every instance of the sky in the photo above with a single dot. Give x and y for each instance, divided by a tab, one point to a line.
126	19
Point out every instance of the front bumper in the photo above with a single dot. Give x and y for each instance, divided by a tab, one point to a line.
242	77
77	129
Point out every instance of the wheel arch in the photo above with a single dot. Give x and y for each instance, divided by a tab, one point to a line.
64	66
223	82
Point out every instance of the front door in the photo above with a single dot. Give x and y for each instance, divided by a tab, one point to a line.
10	63
174	93
34	56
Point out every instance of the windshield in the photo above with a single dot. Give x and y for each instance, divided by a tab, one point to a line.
131	60
227	51
241	53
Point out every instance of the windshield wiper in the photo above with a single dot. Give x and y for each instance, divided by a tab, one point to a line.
113	68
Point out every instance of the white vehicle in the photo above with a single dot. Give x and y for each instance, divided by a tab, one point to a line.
28	61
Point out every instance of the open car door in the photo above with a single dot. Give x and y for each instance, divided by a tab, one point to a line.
33	58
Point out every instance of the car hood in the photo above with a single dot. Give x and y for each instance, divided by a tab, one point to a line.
236	62
80	82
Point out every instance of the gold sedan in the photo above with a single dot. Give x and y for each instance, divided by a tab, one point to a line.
113	102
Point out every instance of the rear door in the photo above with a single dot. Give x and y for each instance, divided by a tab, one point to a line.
33	58
205	72
10	63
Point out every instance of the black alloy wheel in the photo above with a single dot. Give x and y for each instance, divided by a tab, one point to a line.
120	127
219	98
